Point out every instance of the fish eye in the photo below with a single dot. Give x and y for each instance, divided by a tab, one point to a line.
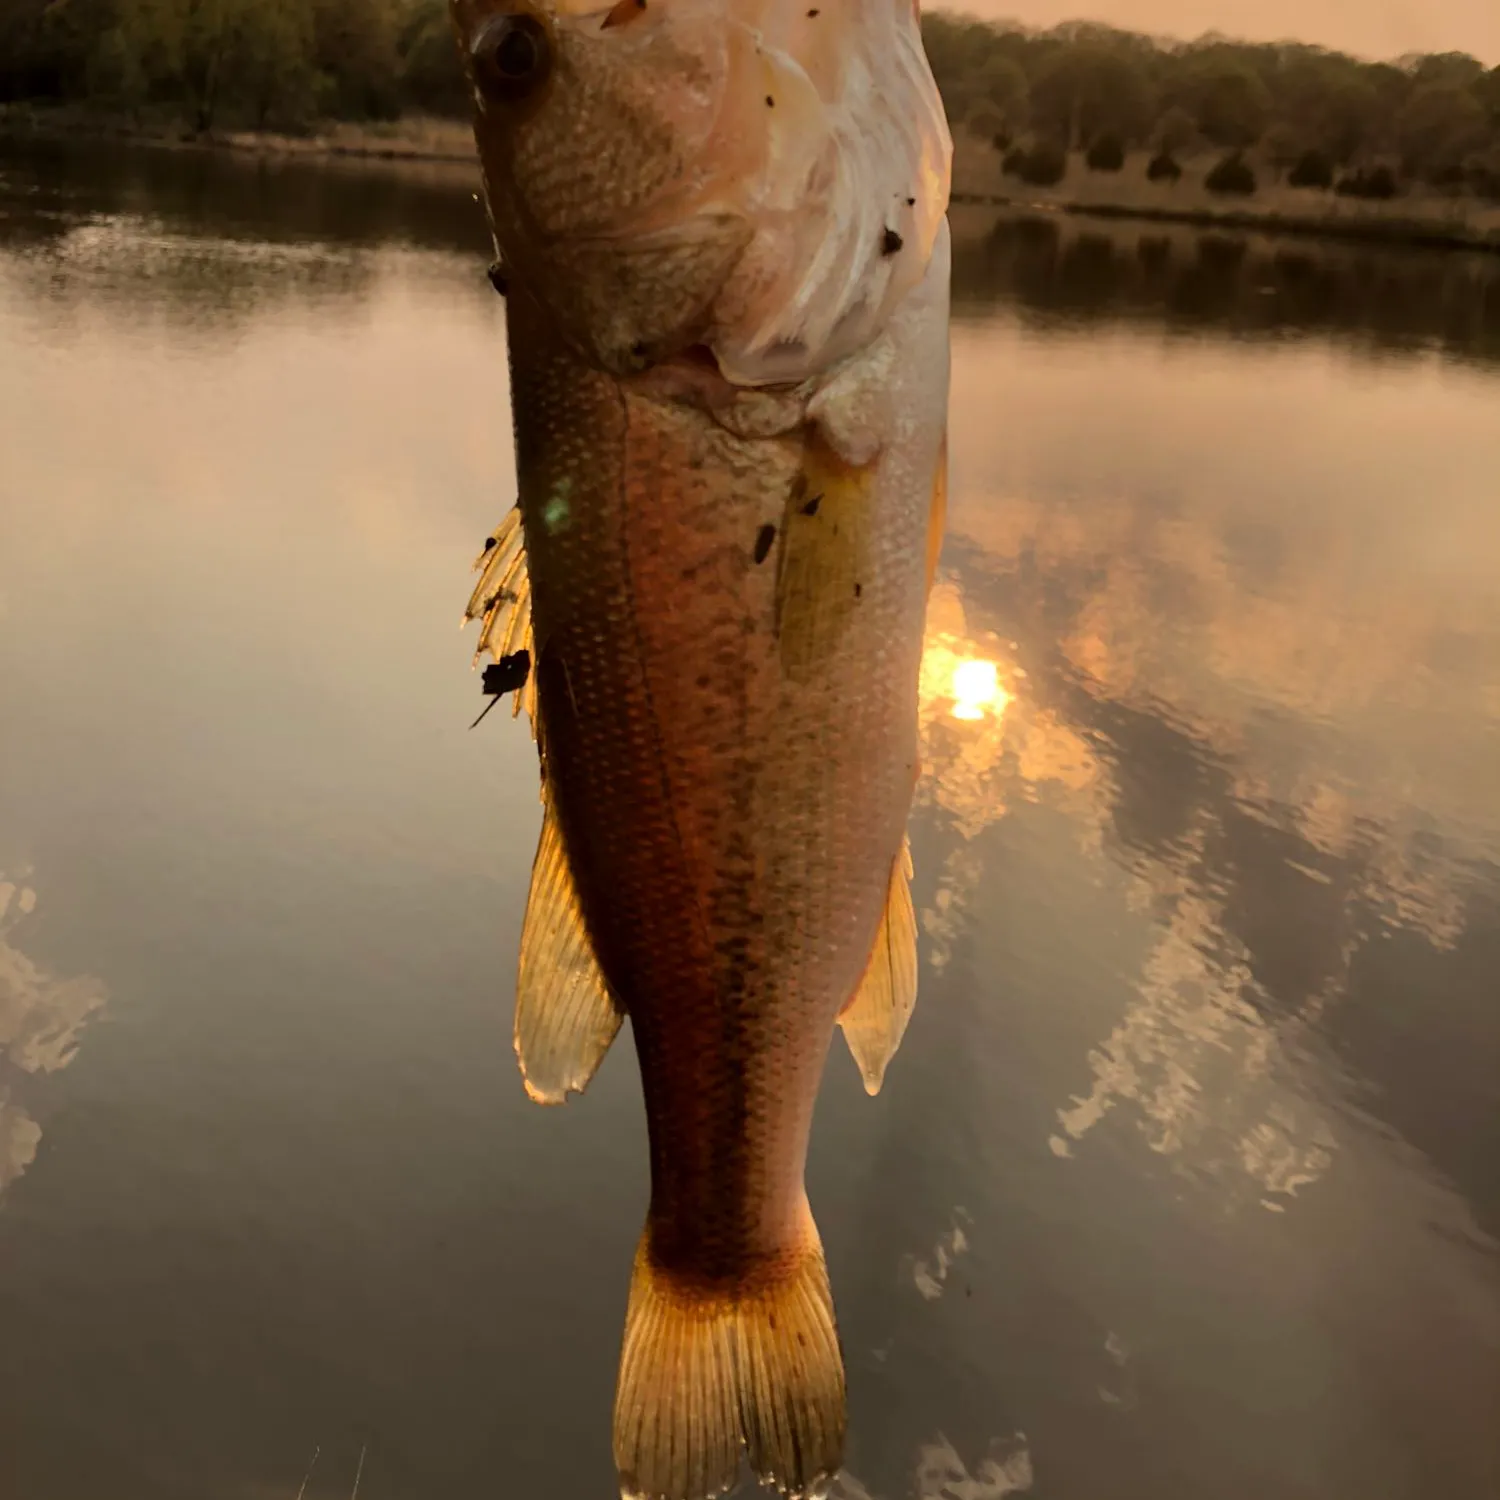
511	56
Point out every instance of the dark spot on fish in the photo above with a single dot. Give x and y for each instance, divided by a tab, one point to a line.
911	202
968	1290
802	1341
811	14
891	242
771	1320
489	542
811	508
770	102
859	591
763	539
498	278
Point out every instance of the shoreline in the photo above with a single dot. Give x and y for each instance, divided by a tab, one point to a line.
1389	233
448	144
1418	218
418	139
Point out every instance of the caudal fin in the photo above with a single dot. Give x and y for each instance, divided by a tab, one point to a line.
707	1373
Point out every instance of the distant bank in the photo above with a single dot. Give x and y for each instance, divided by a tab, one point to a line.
413	138
1417	218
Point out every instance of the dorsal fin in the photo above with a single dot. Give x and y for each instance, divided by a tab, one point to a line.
502	600
566	1016
875	1018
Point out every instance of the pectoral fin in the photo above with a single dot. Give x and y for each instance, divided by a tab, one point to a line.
566	1016
875	1018
822	556
502	600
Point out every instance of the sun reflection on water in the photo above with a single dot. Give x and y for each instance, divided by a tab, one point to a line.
976	687
968	686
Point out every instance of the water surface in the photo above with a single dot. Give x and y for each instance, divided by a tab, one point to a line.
1185	1181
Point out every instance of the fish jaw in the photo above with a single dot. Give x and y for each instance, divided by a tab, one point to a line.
761	179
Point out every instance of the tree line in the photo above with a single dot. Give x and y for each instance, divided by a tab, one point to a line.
1080	87
281	64
1316	114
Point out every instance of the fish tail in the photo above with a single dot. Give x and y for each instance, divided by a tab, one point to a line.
707	1370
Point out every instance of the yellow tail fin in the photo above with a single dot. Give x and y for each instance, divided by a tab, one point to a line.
707	1373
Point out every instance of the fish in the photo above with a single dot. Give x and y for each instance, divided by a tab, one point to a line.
721	232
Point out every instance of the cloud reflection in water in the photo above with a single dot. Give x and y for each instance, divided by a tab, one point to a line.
1209	741
42	1019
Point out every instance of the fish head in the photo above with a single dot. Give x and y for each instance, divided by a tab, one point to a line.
759	179
600	132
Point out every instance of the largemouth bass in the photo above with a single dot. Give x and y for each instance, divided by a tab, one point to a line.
721	227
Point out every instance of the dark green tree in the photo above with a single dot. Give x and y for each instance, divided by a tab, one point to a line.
1225	96
1083	91
1439	126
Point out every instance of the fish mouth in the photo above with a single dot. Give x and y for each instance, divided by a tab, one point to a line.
690	373
691	376
697	357
698	364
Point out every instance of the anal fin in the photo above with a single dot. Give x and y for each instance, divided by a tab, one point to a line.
566	1016
502	601
874	1020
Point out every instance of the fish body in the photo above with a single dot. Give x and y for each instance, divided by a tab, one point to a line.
729	402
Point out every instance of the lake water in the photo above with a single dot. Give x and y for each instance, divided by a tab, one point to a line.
1186	1182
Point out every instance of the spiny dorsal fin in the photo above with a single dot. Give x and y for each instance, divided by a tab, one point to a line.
565	1015
502	600
875	1018
711	1367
